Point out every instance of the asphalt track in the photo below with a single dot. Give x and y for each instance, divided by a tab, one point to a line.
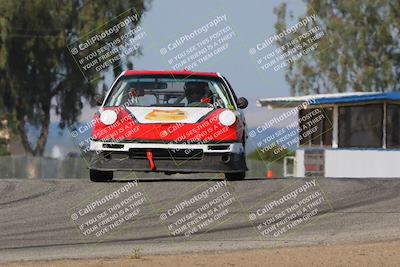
35	215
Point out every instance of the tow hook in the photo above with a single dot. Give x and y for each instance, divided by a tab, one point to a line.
149	155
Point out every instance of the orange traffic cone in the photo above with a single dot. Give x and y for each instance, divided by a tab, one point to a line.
270	174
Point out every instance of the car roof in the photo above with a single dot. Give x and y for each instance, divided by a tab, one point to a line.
169	72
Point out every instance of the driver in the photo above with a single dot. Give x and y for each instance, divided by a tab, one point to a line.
195	91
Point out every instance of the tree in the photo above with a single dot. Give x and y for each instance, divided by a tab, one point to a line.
359	50
38	74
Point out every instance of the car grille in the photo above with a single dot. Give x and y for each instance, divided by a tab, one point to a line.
167	154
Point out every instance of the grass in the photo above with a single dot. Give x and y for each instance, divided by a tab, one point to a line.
135	253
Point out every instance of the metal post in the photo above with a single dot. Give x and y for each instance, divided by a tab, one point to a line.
335	132
384	126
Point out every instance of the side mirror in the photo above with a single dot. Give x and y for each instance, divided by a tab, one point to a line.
242	103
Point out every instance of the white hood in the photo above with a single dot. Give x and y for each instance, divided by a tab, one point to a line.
168	114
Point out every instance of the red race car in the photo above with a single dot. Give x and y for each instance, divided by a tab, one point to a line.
169	121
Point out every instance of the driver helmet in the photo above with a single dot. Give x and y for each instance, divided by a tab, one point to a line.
195	91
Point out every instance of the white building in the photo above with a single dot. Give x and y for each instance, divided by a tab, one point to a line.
357	135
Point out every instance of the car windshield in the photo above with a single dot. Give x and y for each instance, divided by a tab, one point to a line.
169	92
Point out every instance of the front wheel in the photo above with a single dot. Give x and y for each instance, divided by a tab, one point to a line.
235	176
101	176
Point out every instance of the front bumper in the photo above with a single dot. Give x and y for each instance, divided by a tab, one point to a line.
212	158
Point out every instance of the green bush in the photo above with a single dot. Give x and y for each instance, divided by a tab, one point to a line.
4	148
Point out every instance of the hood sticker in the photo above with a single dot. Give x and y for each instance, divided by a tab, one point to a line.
166	115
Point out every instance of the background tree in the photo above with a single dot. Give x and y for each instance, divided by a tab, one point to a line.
359	52
37	72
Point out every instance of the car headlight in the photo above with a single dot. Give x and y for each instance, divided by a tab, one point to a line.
108	117
227	118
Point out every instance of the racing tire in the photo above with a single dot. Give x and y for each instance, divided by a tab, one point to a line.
235	176
101	176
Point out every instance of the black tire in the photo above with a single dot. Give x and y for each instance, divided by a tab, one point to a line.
235	176
101	176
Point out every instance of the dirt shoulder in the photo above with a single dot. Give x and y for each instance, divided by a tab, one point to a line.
370	254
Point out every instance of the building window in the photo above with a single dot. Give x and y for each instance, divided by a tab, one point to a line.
392	126
361	126
316	127
327	127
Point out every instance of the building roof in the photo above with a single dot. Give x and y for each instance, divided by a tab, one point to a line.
169	72
328	99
